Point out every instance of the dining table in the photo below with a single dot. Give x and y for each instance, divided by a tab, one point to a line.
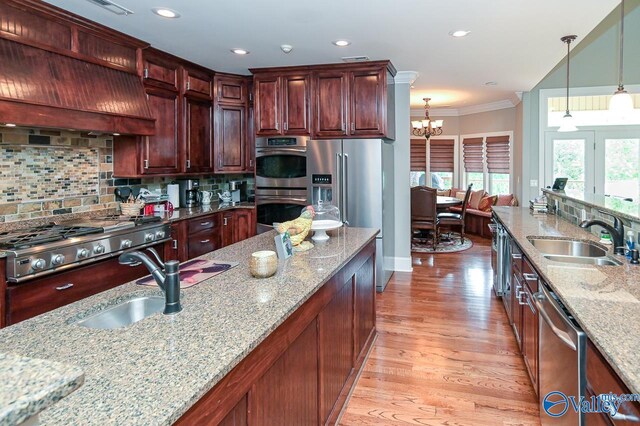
443	202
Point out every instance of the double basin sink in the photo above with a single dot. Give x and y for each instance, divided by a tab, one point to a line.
573	251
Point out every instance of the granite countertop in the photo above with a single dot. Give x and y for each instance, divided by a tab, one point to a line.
605	300
188	213
152	372
30	385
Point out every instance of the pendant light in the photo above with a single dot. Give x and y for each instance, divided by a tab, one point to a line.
621	102
568	124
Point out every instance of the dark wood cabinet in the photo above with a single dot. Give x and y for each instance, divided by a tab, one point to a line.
160	71
230	140
296	102
230	89
176	248
330	101
336	340
160	152
530	317
203	235
250	155
366	110
237	416
267	104
245	226
287	394
44	294
365	306
199	140
228	233
198	83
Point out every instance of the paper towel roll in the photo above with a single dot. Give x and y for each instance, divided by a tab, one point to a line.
173	191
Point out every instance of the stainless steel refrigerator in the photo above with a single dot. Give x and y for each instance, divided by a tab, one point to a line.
350	174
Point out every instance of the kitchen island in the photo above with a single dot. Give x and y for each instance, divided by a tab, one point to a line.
238	347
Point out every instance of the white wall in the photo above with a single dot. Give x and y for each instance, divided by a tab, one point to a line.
594	62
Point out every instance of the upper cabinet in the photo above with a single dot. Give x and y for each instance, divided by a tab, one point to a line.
282	104
231	110
231	89
326	101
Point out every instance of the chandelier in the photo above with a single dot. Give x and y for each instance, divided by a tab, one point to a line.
427	127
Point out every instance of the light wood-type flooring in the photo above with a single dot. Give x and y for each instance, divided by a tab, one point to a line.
445	353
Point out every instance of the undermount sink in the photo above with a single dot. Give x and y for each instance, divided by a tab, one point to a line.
568	247
601	261
125	313
573	251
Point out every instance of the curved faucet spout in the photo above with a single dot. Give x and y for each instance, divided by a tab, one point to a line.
616	231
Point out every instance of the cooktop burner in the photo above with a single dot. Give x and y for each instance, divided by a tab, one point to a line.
25	238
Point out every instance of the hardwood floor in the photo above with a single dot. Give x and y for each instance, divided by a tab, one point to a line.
445	353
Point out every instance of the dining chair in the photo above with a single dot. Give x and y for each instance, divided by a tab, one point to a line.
456	219
423	211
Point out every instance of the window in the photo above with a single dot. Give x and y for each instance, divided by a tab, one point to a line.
621	165
487	162
441	162
569	162
418	162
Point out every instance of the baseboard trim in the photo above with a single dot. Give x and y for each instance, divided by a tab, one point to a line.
400	264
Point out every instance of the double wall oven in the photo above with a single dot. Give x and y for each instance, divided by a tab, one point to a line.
281	179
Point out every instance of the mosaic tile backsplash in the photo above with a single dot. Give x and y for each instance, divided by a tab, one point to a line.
63	174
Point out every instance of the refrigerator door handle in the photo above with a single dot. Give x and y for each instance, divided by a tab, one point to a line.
339	180
345	173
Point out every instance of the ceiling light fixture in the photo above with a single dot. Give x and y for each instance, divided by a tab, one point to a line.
621	102
459	33
9	125
240	51
342	43
165	13
568	124
427	127
113	7
491	83
286	48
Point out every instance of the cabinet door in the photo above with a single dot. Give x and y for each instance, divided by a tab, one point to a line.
176	248
245	226
199	136
267	105
530	335
231	89
330	101
198	83
250	155
516	307
228	228
365	308
161	152
367	112
230	138
287	394
160	72
237	416
336	347
296	102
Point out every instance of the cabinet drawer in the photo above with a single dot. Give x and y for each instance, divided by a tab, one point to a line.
201	243
601	379
529	275
45	294
201	224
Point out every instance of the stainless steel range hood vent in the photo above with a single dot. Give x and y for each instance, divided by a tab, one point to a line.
112	7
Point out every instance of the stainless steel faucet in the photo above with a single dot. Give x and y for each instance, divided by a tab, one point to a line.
616	231
167	276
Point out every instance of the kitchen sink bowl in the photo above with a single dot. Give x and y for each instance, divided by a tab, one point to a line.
125	313
601	261
568	247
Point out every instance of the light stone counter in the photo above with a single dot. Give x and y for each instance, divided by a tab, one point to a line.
28	386
605	300
152	372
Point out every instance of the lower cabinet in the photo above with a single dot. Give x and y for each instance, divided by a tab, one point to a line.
287	394
303	371
530	333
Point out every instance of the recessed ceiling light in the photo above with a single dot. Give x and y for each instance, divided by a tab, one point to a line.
341	43
240	51
165	13
459	33
491	83
116	134
9	125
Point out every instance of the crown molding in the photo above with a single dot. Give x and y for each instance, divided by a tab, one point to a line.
406	77
473	109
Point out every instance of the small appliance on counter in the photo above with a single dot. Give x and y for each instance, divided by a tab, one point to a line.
238	190
189	193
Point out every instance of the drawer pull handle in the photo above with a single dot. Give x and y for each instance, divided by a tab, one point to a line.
64	287
204	241
530	277
516	256
205	223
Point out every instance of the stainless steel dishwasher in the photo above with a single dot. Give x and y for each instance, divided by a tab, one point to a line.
562	362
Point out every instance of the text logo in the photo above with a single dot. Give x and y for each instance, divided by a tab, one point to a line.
555	404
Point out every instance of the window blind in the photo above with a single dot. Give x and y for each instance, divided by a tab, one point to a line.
418	155
441	155
472	154
498	154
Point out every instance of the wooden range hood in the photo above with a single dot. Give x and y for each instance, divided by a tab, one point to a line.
60	71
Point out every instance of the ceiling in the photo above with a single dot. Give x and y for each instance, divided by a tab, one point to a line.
514	43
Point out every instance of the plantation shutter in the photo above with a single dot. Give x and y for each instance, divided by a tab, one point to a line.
441	155
498	154
472	154
418	155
